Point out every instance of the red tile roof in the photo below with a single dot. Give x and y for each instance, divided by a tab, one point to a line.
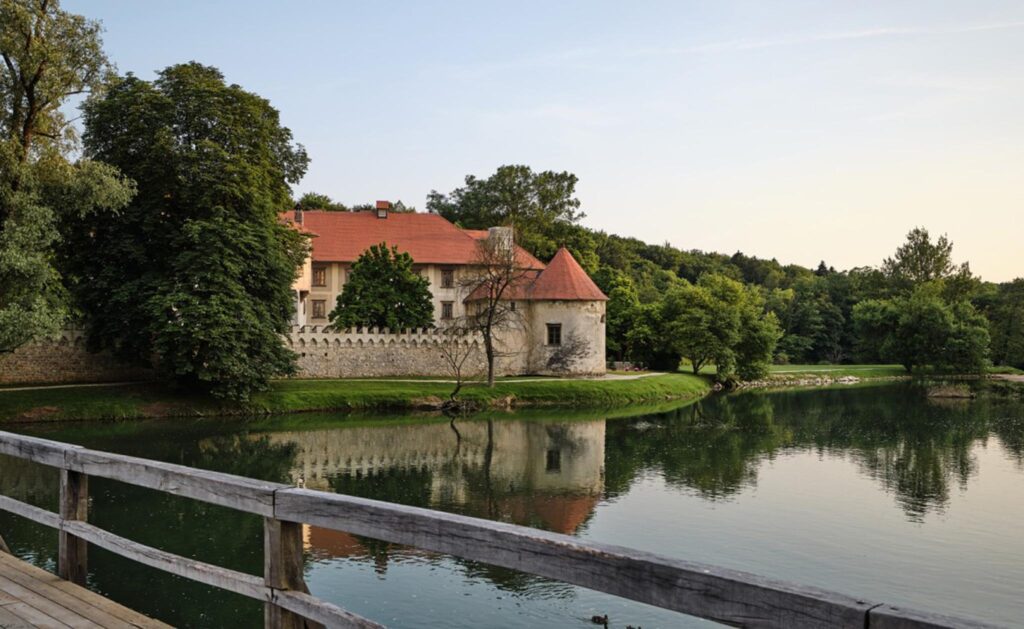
565	280
428	238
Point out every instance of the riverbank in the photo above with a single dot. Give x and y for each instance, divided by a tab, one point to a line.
138	401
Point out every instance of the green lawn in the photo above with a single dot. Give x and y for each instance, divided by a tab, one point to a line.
288	396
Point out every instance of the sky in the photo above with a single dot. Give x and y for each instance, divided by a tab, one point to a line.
795	129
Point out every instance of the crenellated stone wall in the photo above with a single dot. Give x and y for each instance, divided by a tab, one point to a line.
370	353
324	353
64	359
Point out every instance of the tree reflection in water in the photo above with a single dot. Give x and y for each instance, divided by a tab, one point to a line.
547	474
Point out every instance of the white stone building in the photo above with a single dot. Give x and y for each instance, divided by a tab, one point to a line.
556	303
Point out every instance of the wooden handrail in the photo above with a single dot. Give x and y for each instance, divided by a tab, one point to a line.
728	596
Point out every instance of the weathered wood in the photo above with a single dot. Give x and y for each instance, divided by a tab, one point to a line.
893	617
244	494
4	548
223	578
237	492
282	570
73	552
78	607
41	451
319	611
49	607
17	571
40	516
726	596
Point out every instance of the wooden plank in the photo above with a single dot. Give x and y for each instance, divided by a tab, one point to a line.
893	617
51	608
726	596
282	570
231	580
34	449
29	577
9	621
4	548
73	552
130	617
41	516
319	611
28	614
237	492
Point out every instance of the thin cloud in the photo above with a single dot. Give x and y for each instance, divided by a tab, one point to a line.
871	33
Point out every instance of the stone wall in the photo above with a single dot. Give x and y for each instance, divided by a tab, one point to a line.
373	353
64	359
361	353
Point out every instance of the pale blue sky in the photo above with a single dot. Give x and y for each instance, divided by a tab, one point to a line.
801	130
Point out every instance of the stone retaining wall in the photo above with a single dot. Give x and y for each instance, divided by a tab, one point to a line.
61	360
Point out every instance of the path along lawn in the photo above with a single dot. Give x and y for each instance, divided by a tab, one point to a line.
136	401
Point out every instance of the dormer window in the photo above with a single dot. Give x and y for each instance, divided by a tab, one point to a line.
382	208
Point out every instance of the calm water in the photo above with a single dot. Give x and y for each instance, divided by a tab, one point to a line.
876	492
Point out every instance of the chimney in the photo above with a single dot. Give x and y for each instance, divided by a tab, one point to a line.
502	238
382	208
298	214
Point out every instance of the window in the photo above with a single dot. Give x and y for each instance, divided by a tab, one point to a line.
319	308
554	334
554	461
513	307
446	310
447	278
319	275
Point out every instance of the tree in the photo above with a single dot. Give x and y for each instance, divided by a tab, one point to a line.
317	201
719	321
195	275
1006	312
48	56
384	292
534	204
923	330
919	261
459	351
492	284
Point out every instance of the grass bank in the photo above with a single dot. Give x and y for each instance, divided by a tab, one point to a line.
138	401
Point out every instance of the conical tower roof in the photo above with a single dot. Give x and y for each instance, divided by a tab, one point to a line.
565	280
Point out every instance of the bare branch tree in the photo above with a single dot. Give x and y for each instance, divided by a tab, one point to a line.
495	282
459	351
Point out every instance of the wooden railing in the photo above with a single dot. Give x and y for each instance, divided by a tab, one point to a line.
727	596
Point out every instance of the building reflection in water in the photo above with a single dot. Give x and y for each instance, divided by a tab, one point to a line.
540	474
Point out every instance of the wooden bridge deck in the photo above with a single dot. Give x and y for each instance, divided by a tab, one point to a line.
30	597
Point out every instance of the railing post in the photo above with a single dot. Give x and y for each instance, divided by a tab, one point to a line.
282	570
72	558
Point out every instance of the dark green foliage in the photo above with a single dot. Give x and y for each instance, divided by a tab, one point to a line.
923	330
384	292
317	201
195	275
48	56
1004	306
539	205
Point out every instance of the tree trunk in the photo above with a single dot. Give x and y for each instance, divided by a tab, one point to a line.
489	350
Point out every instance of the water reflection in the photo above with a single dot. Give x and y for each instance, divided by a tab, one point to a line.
554	474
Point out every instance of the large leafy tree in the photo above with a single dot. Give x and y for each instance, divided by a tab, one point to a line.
719	321
383	291
317	201
923	330
48	56
538	205
195	275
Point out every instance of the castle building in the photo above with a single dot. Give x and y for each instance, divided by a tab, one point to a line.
560	311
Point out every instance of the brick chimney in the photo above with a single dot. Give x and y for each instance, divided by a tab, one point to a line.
298	214
383	207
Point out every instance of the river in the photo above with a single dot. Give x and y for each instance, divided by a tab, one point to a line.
874	491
